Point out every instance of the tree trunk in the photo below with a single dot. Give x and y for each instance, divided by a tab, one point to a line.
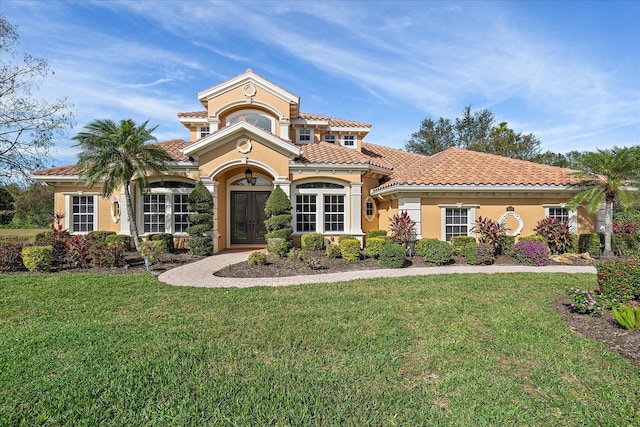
133	226
608	229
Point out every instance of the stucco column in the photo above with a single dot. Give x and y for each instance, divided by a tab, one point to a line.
285	184
412	206
284	128
124	217
214	124
356	211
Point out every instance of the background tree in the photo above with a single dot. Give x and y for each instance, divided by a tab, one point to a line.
33	205
200	221
6	206
27	125
607	177
117	154
504	141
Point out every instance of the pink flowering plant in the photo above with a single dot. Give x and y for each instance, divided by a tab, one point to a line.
530	253
584	302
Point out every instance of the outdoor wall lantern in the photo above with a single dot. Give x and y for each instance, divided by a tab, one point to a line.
510	209
248	174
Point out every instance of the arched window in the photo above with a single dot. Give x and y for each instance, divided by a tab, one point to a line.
254	117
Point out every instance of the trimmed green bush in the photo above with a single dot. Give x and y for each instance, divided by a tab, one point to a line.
11	256
459	243
278	208
480	254
257	258
121	239
106	254
166	239
346	237
200	245
507	243
200	202
532	238
332	250
625	244
392	255
151	250
283	233
589	242
434	251
37	258
373	246
279	246
312	242
619	280
376	233
350	249
101	236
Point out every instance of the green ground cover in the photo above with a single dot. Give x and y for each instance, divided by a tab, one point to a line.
82	349
20	233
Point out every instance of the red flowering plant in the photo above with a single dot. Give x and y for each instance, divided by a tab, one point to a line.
402	228
557	234
490	232
627	227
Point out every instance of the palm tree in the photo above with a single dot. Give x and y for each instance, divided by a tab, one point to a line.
608	176
117	154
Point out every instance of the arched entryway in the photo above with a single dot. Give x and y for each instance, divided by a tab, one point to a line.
248	194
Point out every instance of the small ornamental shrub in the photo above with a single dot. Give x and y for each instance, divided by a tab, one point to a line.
200	202
333	251
59	245
151	250
459	243
480	254
507	243
11	256
200	246
533	238
589	243
627	317
279	246
584	303
166	239
490	231
106	254
316	264
530	252
257	258
619	280
101	236
312	242
121	239
37	258
78	251
376	233
434	251
625	244
556	233
402	228
626	227
373	246
392	255
350	249
346	237
277	209
631	215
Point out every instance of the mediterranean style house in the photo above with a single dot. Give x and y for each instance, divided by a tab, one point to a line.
251	136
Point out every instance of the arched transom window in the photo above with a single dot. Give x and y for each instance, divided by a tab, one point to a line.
255	117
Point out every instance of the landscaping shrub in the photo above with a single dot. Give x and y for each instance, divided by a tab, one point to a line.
392	255
490	231
333	251
106	254
373	246
257	258
58	244
619	280
628	226
200	246
312	242
507	243
590	243
121	239
166	239
101	236
11	256
279	246
532	238
530	252
625	244
402	228
37	258
316	264
150	250
346	237
278	223
556	233
584	303
78	251
480	254
200	202
350	249
434	251
459	243
627	317
376	233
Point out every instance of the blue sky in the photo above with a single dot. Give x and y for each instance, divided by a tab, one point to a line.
569	72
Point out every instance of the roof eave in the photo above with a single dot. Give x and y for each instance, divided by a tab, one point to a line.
409	188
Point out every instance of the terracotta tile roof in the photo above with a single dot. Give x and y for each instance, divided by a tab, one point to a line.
333	121
456	166
324	152
69	170
392	158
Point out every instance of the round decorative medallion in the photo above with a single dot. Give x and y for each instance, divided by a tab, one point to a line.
249	90
243	145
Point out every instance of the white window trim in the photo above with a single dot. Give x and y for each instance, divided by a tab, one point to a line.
253	111
202	133
573	215
299	134
168	214
68	206
331	140
344	142
320	193
471	217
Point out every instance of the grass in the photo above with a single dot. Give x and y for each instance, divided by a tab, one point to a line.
435	350
20	233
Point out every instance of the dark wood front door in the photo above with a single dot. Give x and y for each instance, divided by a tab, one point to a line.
247	217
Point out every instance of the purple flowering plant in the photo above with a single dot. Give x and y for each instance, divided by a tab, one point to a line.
530	252
584	302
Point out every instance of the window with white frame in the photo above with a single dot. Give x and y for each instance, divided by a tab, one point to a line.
457	221
331	139
255	117
304	136
154	208
180	213
164	207
204	131
82	214
320	207
349	140
561	213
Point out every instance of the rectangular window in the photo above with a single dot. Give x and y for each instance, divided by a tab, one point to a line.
306	212
153	210
204	131
331	139
180	213
349	141
82	214
304	136
456	222
561	214
333	212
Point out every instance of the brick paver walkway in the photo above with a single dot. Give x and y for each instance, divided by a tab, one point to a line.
200	273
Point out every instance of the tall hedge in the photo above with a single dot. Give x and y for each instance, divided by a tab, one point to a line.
200	202
278	223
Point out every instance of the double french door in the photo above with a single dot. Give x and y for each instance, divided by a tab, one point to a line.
247	217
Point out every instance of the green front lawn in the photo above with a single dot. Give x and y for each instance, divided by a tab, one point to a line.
20	233
453	349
